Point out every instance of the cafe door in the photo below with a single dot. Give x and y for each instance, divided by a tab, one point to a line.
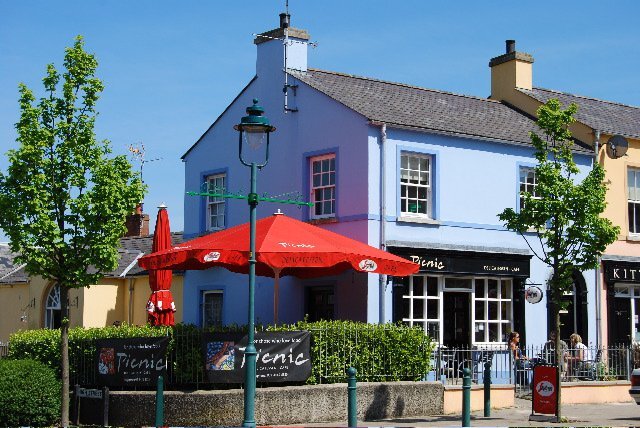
456	322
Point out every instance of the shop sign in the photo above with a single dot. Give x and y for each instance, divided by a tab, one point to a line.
545	390
282	356
533	294
622	272
135	361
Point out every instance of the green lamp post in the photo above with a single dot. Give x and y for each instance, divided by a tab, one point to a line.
252	130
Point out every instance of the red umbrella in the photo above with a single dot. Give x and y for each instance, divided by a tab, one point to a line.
160	306
284	246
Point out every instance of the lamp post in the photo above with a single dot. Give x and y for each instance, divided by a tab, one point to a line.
252	129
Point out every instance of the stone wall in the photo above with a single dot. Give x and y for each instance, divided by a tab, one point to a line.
275	406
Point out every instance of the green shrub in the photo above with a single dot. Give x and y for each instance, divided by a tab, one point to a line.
29	394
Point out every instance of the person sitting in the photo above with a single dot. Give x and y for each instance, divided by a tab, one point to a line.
580	357
520	360
549	351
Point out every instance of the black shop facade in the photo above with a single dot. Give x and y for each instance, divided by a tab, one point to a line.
463	298
622	285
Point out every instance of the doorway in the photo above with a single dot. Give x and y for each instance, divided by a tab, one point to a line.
456	324
319	303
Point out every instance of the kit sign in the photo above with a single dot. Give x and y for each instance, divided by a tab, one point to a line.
283	356
544	390
533	294
136	361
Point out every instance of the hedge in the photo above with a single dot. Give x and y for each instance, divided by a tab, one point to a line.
379	352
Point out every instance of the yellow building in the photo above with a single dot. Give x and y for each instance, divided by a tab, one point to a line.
28	302
617	294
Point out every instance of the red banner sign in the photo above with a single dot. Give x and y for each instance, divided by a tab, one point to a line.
545	390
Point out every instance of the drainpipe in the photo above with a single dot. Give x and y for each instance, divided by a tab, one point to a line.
383	212
596	145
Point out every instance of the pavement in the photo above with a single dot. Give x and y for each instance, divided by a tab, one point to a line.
576	415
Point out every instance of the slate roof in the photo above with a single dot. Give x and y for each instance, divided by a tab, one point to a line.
397	104
604	116
131	249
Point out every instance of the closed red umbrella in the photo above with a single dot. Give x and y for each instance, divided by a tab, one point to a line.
161	306
284	246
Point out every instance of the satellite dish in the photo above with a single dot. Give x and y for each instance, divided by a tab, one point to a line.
617	146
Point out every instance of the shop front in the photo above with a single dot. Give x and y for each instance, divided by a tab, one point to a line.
463	298
622	279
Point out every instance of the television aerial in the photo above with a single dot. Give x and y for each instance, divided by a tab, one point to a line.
617	146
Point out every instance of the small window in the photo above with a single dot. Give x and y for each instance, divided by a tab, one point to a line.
53	309
212	308
633	185
415	185
215	204
493	309
323	186
528	184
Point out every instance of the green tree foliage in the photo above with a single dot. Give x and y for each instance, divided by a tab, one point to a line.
65	196
29	394
564	215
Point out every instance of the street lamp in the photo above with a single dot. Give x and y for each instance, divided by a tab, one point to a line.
252	129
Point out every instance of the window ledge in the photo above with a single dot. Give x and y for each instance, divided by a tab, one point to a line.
633	238
326	220
421	220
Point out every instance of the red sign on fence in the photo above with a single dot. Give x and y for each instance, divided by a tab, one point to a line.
545	390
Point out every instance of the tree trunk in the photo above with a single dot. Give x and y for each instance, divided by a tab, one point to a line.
559	360
64	354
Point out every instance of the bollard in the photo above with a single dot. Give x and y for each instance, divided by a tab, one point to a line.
487	389
466	397
160	402
352	410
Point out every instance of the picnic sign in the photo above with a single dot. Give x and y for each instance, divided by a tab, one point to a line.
136	361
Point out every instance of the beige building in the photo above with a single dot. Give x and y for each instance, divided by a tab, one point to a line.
617	297
28	302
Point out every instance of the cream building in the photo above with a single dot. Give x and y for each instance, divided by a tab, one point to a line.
31	302
617	297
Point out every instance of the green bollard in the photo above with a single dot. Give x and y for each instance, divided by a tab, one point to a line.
352	410
487	389
466	397
160	402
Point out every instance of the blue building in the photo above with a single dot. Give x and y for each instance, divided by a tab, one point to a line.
421	173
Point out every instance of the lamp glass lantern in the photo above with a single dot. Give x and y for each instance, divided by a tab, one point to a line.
254	130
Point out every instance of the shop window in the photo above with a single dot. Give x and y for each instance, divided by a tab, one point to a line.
323	186
493	309
415	185
633	184
215	204
422	303
53	309
212	308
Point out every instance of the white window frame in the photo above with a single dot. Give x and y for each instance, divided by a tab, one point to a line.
406	187
204	307
328	186
51	305
424	321
525	172
504	325
633	198
213	185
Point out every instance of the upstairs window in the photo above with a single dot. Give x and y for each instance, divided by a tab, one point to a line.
415	185
633	185
216	205
323	186
528	184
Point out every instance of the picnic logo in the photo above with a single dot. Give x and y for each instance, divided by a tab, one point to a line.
545	388
367	265
212	256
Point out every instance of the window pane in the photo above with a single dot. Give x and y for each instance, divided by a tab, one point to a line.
418	308
480	314
480	332
432	309
432	286
506	311
505	286
492	289
480	288
632	218
404	161
316	167
418	286
494	332
433	329
631	183
493	310
316	180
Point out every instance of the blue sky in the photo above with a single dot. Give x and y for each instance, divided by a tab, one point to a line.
171	67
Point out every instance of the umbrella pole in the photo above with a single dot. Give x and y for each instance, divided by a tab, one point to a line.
276	295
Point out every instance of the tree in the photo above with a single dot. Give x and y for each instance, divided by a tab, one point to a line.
564	214
64	198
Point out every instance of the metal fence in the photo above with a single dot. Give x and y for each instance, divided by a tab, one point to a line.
4	349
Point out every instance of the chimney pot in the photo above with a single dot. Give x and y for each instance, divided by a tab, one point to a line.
284	20
511	46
